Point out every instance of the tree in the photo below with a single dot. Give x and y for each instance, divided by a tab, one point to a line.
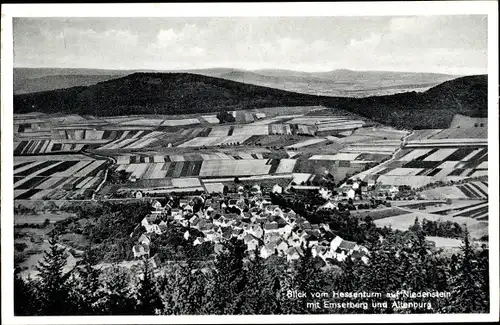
87	292
227	281
149	300
118	299
25	297
467	286
53	285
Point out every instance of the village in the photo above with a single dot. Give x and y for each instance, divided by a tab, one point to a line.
266	229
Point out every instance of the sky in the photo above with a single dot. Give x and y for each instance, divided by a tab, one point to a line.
441	44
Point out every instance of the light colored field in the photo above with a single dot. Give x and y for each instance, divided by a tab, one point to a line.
286	166
90	168
158	159
354	139
298	178
93	182
405	171
414	154
338	156
449	164
186	121
49	183
445	192
211	119
483	165
185	182
480	173
146	122
30	165
73	169
158	172
121	160
93	135
234	168
308	142
214	187
442	242
413	181
464	122
219	131
139	170
440	155
339	126
84	182
249	130
118	144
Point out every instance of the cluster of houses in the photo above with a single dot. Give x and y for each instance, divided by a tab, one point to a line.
265	229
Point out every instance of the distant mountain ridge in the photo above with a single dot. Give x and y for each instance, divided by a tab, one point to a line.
184	93
340	82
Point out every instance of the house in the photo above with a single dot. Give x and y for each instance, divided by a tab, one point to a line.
271	237
155	261
256	231
281	246
140	250
218	248
325	194
328	206
163	226
251	241
157	205
198	241
347	246
351	193
277	189
267	250
144	239
335	243
319	250
386	190
271	227
294	253
148	223
256	189
238	233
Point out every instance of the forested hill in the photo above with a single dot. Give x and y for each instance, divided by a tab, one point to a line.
183	93
434	108
159	93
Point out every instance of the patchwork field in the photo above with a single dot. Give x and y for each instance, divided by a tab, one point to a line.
38	179
419	166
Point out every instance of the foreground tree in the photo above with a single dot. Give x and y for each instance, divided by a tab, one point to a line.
87	292
149	300
53	285
469	294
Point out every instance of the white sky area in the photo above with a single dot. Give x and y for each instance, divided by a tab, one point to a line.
442	44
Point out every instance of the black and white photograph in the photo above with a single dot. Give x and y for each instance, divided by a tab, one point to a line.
194	163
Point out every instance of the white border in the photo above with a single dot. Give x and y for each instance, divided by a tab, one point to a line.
244	10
